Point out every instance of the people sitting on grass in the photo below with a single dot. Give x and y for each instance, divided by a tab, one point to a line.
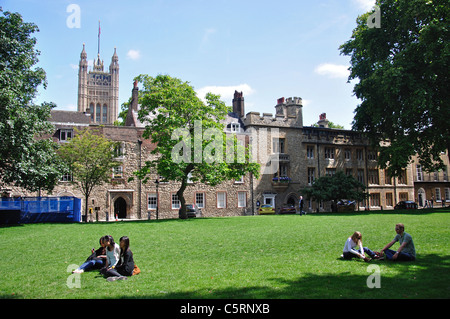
94	261
406	251
350	251
112	254
125	266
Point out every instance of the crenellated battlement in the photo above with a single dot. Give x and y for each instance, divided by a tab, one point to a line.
288	113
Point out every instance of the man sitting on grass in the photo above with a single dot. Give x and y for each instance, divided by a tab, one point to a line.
406	251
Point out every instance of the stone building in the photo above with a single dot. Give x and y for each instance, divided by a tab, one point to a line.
304	153
432	189
291	156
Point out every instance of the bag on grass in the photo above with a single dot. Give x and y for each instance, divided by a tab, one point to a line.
136	270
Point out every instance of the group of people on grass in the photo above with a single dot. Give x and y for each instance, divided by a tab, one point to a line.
114	261
406	252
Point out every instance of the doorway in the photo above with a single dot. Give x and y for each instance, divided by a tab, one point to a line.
422	197
120	208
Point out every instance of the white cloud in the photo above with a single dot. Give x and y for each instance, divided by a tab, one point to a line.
225	92
74	66
365	5
333	70
133	54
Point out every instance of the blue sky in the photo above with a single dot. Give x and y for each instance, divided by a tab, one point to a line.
267	49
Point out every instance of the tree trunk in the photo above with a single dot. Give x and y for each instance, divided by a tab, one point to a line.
86	201
180	193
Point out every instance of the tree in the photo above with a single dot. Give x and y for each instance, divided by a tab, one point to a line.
90	158
402	69
189	136
28	156
335	188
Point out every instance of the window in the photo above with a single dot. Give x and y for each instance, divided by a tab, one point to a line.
310	152
361	176
389	199
175	202
403	196
105	113
359	154
438	194
66	177
242	199
373	176
92	110
98	112
419	173
278	145
200	200
311	175
118	150
117	172
221	199
65	135
329	152
402	178
239	181
387	178
348	154
152	201
372	156
349	172
330	171
447	194
375	200
235	127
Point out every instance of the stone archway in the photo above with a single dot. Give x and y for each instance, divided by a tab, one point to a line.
421	197
120	208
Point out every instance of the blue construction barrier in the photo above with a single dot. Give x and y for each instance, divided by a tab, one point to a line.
26	210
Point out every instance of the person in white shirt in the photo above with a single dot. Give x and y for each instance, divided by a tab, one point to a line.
356	241
112	254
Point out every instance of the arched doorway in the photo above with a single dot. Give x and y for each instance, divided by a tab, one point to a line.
291	200
422	197
120	208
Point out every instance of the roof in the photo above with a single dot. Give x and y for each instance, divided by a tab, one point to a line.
69	117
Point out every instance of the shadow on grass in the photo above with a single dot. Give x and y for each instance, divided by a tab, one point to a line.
427	277
377	212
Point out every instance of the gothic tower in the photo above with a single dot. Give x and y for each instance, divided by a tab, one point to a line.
98	91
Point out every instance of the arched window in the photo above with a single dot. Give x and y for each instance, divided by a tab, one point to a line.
105	113
98	113
91	109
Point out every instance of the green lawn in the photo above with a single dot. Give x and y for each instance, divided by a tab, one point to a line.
293	257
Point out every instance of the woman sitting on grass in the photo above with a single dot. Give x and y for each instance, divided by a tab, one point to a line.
351	243
112	254
94	261
125	266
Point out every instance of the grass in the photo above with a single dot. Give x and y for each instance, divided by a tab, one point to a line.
286	257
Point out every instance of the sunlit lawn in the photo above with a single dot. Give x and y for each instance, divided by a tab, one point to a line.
292	256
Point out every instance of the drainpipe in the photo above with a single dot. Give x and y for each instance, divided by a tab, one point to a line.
139	180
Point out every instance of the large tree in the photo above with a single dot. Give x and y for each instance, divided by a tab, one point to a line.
189	136
27	154
335	188
91	158
403	69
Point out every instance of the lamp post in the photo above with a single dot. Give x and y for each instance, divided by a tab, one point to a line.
157	199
